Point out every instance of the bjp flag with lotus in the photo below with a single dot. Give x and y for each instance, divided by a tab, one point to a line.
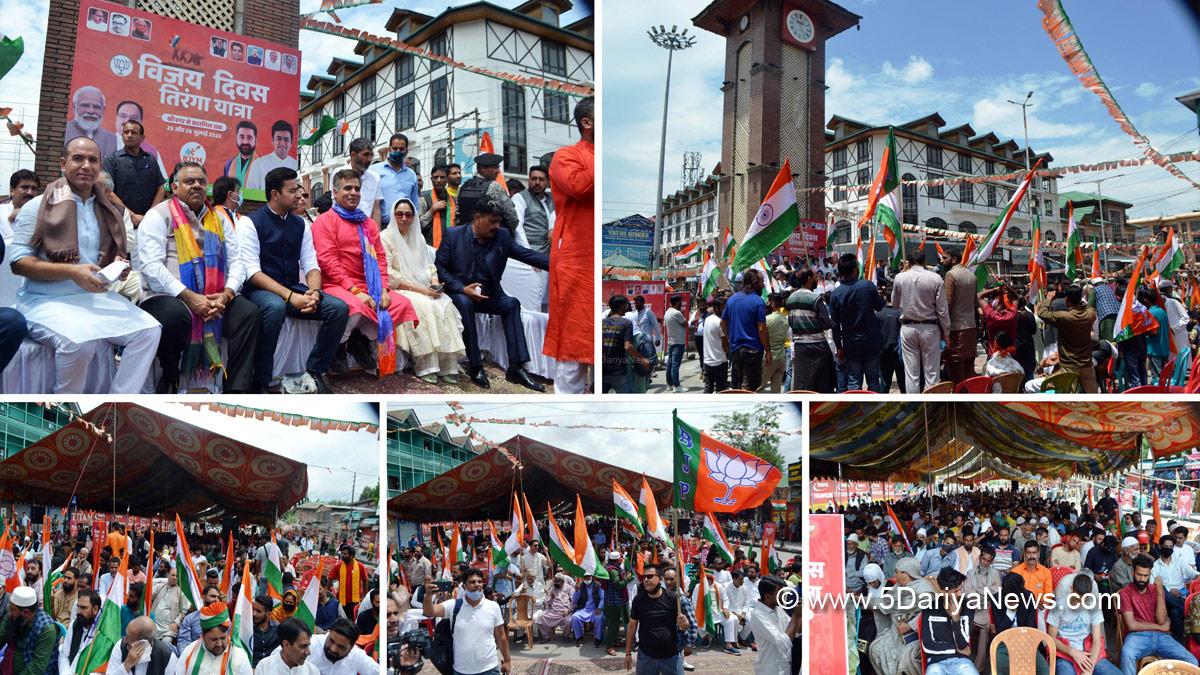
715	477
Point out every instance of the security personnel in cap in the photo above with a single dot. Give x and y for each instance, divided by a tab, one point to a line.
483	184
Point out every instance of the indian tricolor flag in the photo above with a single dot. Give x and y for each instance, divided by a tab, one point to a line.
1132	317
709	274
189	581
648	510
562	550
770	561
775	221
306	611
883	204
585	554
516	538
273	570
486	147
1037	264
728	246
499	556
706	603
686	252
1074	245
978	260
94	658
626	509
1169	258
243	614
899	527
711	531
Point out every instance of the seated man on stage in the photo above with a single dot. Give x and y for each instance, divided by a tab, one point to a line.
61	240
191	273
470	263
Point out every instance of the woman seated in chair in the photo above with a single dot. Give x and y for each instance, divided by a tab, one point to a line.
435	340
354	269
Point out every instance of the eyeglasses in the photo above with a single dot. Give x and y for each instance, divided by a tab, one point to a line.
404	214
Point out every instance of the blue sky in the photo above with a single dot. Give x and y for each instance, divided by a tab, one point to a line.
910	59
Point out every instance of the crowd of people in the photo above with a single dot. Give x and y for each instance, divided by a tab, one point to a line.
828	327
48	631
172	274
976	563
644	605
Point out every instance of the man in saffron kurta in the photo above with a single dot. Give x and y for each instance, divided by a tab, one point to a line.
351	578
345	238
570	332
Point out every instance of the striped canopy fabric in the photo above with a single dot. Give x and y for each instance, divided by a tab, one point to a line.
482	487
155	465
909	440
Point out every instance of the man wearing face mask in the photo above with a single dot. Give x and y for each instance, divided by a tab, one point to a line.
480	641
1173	575
1101	559
396	179
1147	623
555	609
588	602
942	557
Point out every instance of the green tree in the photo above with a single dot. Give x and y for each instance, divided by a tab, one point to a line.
369	492
753	432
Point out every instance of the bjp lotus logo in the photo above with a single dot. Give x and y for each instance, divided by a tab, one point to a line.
734	472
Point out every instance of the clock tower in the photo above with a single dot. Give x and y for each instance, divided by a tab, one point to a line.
774	103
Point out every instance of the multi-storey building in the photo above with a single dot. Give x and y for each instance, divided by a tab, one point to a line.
690	215
926	151
1111	227
23	424
444	110
418	452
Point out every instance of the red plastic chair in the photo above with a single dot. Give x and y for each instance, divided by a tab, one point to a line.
1058	573
980	384
1146	389
859	391
1168	369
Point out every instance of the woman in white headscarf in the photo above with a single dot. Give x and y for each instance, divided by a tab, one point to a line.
435	343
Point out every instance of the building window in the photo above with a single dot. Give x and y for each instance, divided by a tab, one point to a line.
554	58
1046	185
991	195
964	162
316	152
863	178
437	46
439	157
863	150
368	126
933	156
839	189
406	112
1015	233
437	98
555	107
711	225
908	194
966	193
513	109
968	227
339	106
935	191
339	145
1050	236
368	90
1049	207
839	158
405	70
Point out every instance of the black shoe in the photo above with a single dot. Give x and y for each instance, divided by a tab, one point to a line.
480	378
339	364
521	377
322	386
359	347
579	643
166	386
596	644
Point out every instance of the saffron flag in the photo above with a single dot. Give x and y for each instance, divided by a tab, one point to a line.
884	204
534	533
868	270
648	510
775	221
485	146
1132	317
1169	258
1097	270
227	573
1074	245
148	594
686	252
516	537
709	275
1158	523
626	510
981	254
712	532
938	248
1037	264
968	249
717	477
770	561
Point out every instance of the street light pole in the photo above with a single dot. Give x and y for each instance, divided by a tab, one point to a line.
671	41
1100	208
1029	195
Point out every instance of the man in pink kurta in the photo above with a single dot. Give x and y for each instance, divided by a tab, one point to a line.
570	331
340	257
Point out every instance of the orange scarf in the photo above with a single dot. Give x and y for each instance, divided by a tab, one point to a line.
349	589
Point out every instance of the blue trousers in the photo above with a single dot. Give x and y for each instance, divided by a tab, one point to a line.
333	315
958	665
1146	642
12	331
855	369
648	665
509	311
583	616
674	359
1103	667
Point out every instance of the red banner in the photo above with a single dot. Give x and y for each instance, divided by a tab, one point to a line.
1127	498
808	239
655	293
1185	503
220	99
825	575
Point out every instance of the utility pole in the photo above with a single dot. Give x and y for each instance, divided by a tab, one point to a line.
1100	209
353	485
450	132
1029	194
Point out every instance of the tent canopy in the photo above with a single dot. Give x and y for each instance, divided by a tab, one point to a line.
903	441
482	487
155	465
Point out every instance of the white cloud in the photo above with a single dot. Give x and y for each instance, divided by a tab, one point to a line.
1147	90
838	77
1005	119
917	70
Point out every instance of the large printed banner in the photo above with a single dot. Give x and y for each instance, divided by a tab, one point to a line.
825	575
220	99
807	240
825	493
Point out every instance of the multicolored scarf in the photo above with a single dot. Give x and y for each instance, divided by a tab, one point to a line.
202	270
385	341
442	218
241	167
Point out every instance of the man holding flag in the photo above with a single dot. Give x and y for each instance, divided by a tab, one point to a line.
654	619
214	653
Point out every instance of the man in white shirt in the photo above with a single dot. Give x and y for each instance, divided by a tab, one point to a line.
282	137
181	294
480	640
645	322
1177	316
773	630
206	656
23	185
361	155
535	222
80	632
1183	548
1175	576
291	656
735	604
533	561
169	607
676	327
139	653
335	653
716	345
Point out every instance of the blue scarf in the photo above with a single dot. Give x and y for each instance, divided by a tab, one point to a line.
355	216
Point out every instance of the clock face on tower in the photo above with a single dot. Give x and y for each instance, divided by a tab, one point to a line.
798	28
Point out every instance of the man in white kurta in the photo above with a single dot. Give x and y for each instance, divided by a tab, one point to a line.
207	655
769	623
133	654
291	656
335	653
67	304
535	222
736	598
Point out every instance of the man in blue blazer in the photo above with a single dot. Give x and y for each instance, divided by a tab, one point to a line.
470	263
